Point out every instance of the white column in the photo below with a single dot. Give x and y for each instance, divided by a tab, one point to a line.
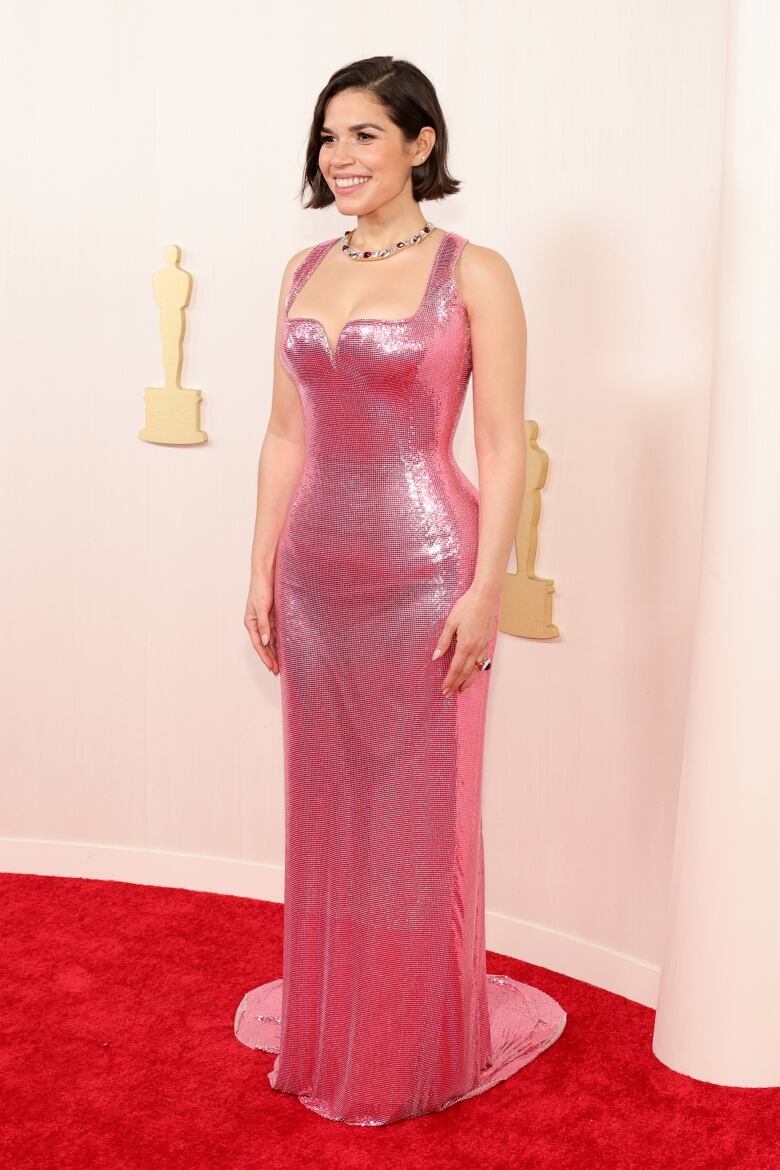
718	1012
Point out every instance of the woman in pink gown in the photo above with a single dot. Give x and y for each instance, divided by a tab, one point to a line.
384	1009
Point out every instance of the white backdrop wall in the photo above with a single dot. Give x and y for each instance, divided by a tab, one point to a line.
142	735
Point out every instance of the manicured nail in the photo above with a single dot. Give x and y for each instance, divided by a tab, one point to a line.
436	654
264	639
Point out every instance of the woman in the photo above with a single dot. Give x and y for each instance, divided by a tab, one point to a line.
376	575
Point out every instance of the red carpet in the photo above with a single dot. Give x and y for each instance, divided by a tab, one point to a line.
118	1051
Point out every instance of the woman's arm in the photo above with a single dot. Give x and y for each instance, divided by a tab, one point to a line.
279	469
498	344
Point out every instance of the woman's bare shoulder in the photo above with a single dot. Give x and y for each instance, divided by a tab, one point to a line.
487	284
483	263
482	274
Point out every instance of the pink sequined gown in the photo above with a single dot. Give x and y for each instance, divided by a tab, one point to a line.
384	1009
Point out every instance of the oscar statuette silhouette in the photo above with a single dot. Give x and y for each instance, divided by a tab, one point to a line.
172	412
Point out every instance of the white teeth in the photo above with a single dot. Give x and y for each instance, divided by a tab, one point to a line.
351	182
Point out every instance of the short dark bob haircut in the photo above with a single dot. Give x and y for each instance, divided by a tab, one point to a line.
411	103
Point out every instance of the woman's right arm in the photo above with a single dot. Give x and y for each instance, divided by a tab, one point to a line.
279	468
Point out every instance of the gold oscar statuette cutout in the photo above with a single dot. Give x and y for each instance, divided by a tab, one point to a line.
526	600
172	413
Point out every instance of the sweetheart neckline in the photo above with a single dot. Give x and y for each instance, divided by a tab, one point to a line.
333	352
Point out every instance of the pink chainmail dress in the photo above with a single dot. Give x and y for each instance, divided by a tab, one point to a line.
384	1010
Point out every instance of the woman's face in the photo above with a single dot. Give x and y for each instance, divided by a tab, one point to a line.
359	140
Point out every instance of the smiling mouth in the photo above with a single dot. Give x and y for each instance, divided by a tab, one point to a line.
351	184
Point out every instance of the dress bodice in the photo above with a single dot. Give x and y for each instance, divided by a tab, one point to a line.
386	382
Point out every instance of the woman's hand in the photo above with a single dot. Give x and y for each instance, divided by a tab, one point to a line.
259	619
472	622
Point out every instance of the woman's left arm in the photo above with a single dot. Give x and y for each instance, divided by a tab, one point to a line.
498	345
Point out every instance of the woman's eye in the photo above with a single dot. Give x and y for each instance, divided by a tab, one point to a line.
362	134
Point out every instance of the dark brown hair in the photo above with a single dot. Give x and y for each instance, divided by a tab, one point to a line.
411	103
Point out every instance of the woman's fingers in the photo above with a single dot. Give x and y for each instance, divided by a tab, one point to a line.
460	668
444	638
260	628
468	675
475	673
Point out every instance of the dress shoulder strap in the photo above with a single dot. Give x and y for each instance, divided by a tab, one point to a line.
306	267
447	257
456	242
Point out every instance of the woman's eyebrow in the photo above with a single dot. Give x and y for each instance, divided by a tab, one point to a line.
357	126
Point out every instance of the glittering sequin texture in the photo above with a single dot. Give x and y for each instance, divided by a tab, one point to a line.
384	1009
